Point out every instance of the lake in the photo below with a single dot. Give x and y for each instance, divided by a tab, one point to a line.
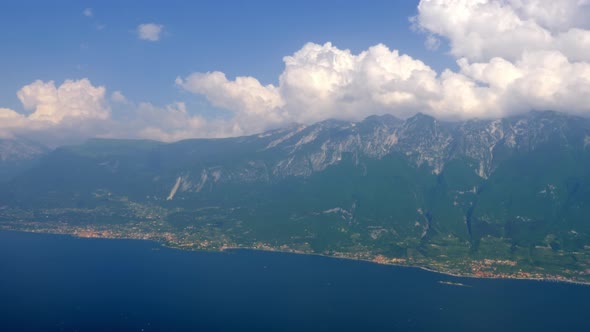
61	283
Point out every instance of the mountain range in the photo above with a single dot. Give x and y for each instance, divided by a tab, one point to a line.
477	197
17	155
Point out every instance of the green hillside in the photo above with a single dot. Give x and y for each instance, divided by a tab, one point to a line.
505	198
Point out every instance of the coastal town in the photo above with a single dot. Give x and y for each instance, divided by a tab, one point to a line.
186	240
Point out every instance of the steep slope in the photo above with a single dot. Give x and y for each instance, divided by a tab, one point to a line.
18	155
448	195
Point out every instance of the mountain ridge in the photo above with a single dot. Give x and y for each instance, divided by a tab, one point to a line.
445	195
18	154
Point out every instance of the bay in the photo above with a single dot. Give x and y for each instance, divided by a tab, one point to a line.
62	283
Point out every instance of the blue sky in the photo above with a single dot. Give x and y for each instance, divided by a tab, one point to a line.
170	70
53	40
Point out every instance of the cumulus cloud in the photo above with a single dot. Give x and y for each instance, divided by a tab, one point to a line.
319	82
174	122
149	31
9	121
119	97
323	81
72	99
483	29
88	12
432	43
76	109
245	95
71	107
513	56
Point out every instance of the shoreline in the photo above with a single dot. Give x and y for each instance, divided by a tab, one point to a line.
229	249
567	281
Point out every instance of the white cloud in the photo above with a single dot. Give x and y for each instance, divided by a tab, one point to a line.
76	110
71	100
319	82
88	12
173	122
512	56
149	31
9	121
72	109
118	97
482	29
250	100
432	42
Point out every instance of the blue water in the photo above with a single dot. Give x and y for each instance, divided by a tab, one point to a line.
60	283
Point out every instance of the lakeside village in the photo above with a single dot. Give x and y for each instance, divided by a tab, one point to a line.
483	268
